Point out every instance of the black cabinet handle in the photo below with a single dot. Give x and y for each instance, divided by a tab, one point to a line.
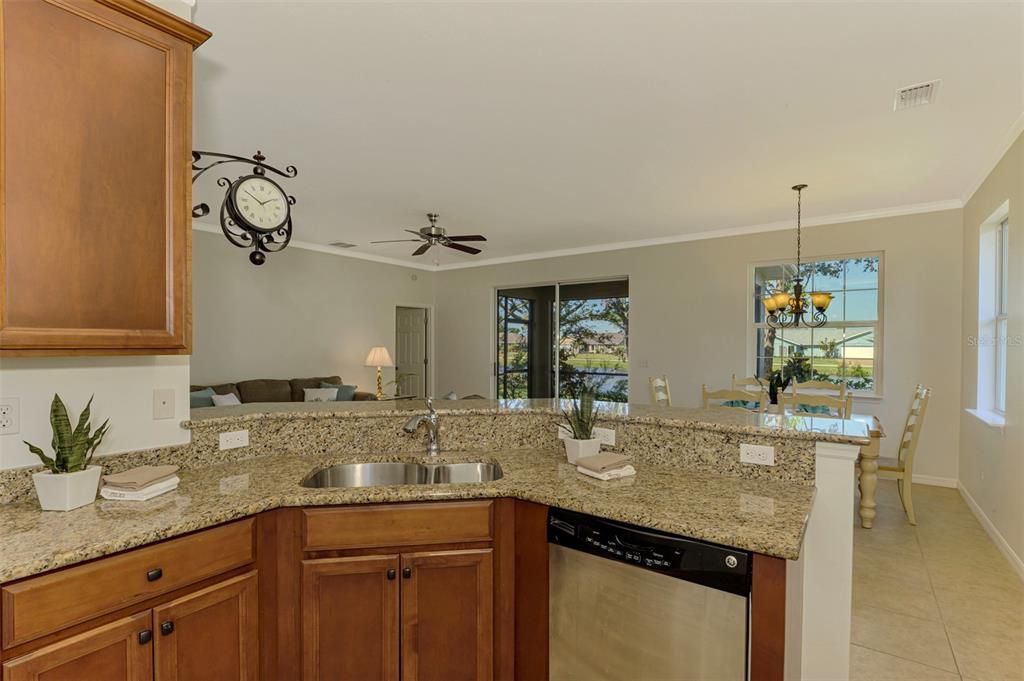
167	628
391	573
406	573
154	574
145	636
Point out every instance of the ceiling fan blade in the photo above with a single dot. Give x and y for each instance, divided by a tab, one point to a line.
468	237
464	249
414	231
423	249
394	241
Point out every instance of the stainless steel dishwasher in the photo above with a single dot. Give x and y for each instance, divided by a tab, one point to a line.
629	604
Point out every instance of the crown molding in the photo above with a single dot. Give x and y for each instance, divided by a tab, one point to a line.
1005	143
838	218
330	250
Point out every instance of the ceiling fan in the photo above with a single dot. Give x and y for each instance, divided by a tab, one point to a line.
432	235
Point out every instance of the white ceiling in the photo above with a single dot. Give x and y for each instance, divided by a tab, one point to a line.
551	126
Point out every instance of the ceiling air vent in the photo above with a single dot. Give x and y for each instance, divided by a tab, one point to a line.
341	244
916	95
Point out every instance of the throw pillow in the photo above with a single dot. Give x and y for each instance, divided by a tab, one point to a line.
345	392
201	398
226	400
320	394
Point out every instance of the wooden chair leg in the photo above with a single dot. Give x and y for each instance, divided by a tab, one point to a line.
906	486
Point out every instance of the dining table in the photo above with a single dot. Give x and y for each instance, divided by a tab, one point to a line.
867	467
867	461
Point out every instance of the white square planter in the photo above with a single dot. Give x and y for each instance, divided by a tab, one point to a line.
65	491
575	449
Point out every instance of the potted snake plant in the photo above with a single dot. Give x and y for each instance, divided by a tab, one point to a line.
70	480
579	422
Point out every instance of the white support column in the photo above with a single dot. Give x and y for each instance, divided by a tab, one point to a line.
820	584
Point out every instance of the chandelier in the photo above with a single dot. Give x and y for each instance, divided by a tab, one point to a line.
789	309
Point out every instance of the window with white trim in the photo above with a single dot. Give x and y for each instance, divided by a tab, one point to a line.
1002	312
993	308
847	349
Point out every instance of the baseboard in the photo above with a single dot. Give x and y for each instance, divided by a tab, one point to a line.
993	532
935	481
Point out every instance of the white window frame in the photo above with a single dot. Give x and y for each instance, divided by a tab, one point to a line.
1002	317
993	319
878	370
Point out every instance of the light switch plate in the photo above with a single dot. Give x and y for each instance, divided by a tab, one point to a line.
10	415
234	439
605	435
163	403
762	455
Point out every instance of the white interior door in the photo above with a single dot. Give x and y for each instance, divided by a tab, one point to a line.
411	350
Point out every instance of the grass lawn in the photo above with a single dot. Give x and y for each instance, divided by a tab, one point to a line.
597	360
832	366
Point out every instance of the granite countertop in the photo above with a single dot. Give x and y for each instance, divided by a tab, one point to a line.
798	426
760	516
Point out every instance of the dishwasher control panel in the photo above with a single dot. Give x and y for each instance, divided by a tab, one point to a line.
710	565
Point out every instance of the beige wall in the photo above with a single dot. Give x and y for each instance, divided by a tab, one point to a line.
690	305
992	459
303	313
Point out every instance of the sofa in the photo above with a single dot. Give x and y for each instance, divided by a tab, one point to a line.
276	389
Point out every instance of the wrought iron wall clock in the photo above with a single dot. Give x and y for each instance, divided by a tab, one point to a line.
255	212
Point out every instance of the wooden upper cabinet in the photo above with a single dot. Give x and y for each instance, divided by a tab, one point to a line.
95	184
118	651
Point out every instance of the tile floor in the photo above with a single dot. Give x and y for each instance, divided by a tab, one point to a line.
933	602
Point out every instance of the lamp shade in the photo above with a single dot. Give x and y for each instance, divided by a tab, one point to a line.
379	357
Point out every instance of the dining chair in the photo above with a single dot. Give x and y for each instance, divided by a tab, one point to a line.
827	387
804	403
660	394
901	467
739	399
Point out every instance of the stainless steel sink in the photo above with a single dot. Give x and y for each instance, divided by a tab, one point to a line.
368	475
465	472
397	473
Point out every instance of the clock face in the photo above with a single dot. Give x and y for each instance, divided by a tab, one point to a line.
260	203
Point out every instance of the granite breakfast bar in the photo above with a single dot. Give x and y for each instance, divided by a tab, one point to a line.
689	482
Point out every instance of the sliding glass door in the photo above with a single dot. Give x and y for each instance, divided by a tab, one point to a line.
515	322
593	339
555	339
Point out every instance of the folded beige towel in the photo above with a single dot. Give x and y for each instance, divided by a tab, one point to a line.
599	463
137	478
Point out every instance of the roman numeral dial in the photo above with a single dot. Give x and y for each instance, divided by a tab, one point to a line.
260	203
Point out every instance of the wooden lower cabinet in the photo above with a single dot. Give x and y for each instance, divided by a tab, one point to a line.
119	651
350	618
447	616
211	634
414	616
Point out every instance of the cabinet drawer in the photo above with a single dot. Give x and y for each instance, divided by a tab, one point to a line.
402	525
44	604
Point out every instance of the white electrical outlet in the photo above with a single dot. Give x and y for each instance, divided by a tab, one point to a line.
762	455
163	403
234	439
605	435
10	415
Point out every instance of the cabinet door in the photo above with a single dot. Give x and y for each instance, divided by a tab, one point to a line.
447	620
94	179
350	619
209	635
119	651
